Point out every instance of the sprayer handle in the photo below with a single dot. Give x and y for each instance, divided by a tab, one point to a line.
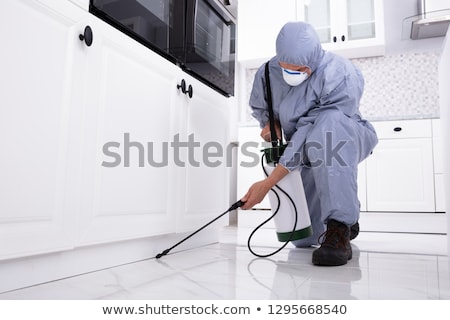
236	205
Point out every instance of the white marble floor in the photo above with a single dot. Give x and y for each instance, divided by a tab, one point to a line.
384	266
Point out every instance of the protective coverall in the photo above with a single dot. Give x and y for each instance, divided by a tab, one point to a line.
321	121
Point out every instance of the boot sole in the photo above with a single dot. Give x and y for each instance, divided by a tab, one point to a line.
330	261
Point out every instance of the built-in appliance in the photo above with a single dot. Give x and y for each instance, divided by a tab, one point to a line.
432	20
198	35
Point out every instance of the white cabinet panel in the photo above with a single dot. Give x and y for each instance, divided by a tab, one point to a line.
128	114
88	132
204	174
37	113
87	157
400	176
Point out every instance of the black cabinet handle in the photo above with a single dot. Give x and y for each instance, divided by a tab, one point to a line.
190	91
87	36
334	39
182	86
397	129
343	38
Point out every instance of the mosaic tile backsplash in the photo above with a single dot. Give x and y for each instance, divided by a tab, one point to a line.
403	86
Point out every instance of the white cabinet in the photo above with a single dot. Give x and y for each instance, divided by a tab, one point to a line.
129	116
40	105
95	139
352	28
204	181
400	173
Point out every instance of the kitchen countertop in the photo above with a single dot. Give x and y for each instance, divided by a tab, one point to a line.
401	117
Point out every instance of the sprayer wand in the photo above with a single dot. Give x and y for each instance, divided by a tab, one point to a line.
233	207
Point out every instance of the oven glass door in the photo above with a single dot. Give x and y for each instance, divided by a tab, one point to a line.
148	21
210	50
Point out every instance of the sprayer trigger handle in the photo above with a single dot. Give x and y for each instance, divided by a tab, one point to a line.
236	205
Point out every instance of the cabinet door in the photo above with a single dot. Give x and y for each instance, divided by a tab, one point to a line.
128	126
362	32
38	113
352	28
318	14
400	176
360	20
204	172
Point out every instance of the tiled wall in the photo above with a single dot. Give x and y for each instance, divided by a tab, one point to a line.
403	86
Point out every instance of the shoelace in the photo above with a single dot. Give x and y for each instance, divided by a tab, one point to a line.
333	237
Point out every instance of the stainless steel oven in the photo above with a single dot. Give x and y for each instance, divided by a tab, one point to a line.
198	35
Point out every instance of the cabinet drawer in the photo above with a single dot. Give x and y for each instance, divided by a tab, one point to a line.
403	129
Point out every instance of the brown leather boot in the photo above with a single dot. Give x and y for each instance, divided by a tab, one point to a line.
335	248
354	231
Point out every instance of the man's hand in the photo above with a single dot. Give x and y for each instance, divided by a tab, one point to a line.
255	194
265	132
258	190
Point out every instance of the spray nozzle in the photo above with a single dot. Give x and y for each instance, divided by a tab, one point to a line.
159	255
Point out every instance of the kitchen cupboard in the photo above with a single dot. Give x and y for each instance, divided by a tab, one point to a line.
133	92
400	173
204	181
352	28
129	104
38	120
89	136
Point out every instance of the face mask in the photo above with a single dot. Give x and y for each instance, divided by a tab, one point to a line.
294	78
